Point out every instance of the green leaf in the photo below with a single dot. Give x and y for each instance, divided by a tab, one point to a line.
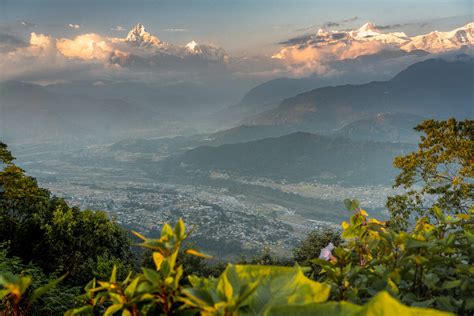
224	288
113	276
37	293
386	305
197	253
351	205
113	309
276	286
180	229
451	284
152	276
84	310
132	287
316	309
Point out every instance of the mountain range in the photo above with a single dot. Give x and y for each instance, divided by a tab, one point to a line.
434	88
369	33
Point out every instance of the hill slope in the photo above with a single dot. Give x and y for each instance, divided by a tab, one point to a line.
382	127
29	110
300	157
433	88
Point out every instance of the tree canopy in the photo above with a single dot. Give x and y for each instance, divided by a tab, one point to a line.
43	229
439	174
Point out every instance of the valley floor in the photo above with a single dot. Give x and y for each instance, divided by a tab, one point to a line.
232	216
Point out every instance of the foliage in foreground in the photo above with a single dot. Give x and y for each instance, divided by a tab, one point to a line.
429	265
239	290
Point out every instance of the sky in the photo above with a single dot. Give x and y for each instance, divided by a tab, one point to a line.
247	40
241	27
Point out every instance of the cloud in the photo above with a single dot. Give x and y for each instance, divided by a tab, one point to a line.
297	40
312	53
74	26
390	26
10	42
86	47
27	24
352	19
118	28
176	30
328	24
95	56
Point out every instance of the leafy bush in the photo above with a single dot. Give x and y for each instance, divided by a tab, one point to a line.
54	302
239	290
16	295
311	246
430	265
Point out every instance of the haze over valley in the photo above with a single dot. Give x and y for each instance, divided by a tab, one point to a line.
255	146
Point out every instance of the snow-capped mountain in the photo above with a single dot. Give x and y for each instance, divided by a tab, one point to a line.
138	36
441	41
191	46
208	52
369	32
431	42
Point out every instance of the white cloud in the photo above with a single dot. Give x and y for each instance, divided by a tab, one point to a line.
118	28
86	47
74	26
99	56
176	30
313	53
27	24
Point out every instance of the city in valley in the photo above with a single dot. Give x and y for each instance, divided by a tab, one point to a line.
234	217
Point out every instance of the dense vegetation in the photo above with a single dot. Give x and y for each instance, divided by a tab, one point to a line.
422	258
42	234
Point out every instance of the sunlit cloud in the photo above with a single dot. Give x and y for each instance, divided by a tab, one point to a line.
74	26
312	53
85	47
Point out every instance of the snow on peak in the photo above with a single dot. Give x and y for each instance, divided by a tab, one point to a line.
191	46
138	36
437	41
207	52
369	26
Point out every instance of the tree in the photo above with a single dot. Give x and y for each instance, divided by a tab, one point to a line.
440	174
45	230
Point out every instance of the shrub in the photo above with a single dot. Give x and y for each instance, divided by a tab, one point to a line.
430	265
239	290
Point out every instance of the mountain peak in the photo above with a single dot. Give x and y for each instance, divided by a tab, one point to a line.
369	26
438	41
192	46
138	36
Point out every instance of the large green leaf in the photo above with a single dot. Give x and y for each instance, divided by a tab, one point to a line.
380	305
317	309
277	286
385	305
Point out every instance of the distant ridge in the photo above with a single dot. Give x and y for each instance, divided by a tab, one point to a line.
435	88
